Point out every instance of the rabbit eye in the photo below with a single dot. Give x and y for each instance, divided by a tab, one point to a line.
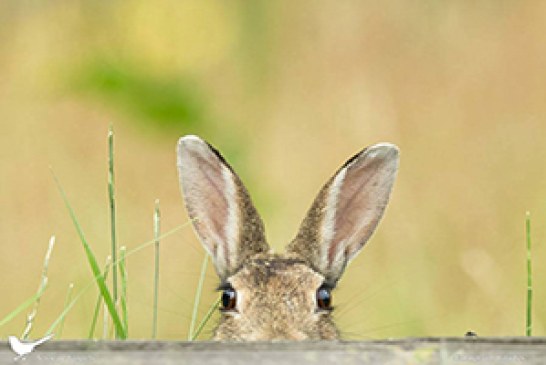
324	298
229	299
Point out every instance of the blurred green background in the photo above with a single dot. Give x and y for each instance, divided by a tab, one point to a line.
287	90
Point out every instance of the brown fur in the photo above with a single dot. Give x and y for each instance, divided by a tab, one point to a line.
305	243
276	294
275	303
252	232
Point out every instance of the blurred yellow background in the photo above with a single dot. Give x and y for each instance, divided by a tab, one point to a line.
287	90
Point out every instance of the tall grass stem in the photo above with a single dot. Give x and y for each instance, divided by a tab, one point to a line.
99	301
198	296
66	303
97	274
95	278
105	323
123	296
529	317
205	319
157	231
40	291
21	307
112	201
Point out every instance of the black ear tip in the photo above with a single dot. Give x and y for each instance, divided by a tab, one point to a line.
381	151
196	146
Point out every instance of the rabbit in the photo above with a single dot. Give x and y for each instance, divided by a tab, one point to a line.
269	296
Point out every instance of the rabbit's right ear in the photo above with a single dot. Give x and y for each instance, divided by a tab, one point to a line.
219	206
346	211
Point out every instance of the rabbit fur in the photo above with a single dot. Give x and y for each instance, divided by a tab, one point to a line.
271	296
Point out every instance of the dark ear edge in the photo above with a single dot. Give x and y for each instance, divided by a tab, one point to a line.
219	206
346	211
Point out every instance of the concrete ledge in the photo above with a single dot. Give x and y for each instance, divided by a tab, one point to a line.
490	351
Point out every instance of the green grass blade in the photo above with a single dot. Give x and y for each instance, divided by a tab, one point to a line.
40	291
93	264
198	296
123	296
99	302
31	300
105	322
65	311
27	303
152	241
66	303
529	318
157	230
112	201
205	319
91	334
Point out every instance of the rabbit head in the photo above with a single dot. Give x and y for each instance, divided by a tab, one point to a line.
268	296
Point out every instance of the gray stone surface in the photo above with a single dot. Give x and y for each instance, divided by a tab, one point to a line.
492	351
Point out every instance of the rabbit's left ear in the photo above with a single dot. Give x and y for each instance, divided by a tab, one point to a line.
219	206
346	211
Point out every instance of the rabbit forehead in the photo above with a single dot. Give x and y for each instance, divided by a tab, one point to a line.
276	273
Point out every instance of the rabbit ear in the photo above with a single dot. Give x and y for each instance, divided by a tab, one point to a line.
346	211
219	206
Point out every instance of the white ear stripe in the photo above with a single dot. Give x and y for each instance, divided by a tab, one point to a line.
233	217
354	204
327	229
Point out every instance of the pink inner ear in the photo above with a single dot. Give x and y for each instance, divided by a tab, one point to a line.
213	198
218	204
359	206
207	202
